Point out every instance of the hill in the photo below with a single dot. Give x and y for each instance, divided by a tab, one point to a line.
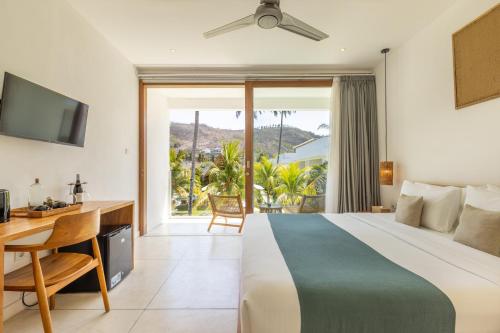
266	139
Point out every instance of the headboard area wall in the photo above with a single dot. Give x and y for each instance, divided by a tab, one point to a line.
428	139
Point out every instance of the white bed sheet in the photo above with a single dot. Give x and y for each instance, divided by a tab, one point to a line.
470	278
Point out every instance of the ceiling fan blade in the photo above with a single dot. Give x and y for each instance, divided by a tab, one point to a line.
241	23
299	27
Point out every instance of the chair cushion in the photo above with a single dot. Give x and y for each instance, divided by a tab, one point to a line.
55	267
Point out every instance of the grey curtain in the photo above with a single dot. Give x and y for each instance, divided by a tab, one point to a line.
359	186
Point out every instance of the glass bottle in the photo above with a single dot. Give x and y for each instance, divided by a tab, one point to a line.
36	194
78	185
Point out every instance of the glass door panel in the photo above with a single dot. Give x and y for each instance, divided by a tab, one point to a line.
291	142
206	141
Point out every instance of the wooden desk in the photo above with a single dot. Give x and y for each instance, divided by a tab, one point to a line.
112	213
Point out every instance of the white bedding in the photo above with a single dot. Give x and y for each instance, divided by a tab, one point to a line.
470	278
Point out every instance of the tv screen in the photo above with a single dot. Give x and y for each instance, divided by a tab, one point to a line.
30	111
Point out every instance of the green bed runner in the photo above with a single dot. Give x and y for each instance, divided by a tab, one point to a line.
346	286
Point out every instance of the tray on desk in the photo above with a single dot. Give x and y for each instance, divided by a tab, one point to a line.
26	212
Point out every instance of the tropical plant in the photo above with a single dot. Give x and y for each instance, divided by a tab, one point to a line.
225	174
180	176
193	161
316	179
266	175
292	184
203	184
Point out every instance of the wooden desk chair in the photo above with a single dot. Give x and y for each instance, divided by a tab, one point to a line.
312	204
226	206
48	275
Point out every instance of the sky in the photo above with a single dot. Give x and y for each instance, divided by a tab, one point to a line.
306	120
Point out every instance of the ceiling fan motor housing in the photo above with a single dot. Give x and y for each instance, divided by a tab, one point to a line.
268	15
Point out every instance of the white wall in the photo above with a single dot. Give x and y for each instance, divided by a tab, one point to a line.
428	139
158	141
49	43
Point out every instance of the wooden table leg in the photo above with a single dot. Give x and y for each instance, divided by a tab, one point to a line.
2	248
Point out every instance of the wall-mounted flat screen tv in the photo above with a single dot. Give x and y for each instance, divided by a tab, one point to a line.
30	111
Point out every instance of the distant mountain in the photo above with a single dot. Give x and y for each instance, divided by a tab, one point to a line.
265	139
181	136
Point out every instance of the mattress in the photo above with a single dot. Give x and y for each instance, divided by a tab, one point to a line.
470	278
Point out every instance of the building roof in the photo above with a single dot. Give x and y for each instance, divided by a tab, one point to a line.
309	150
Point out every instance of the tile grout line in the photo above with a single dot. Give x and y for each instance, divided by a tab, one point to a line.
192	235
164	282
185	256
139	309
156	294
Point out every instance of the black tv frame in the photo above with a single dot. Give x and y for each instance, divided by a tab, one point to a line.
53	91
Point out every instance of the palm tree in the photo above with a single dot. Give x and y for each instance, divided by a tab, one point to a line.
282	114
292	184
266	175
323	126
316	179
193	161
225	174
179	175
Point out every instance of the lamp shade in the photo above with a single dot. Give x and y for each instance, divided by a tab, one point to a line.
386	172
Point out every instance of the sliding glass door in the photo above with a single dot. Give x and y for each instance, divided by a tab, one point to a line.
202	129
290	146
276	134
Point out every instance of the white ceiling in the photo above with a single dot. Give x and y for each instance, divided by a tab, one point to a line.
169	32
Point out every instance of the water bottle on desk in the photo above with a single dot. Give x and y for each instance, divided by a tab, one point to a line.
36	194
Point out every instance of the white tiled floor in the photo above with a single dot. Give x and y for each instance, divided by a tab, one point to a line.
195	226
180	284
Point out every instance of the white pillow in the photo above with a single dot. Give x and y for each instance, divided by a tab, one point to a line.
483	198
441	204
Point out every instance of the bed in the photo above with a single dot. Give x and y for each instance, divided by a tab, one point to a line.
462	285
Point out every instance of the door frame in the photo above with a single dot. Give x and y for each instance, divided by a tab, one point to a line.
249	125
249	86
143	134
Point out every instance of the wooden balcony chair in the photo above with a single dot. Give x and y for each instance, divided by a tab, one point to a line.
226	206
312	204
48	275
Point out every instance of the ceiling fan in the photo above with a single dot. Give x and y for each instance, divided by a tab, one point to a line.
267	16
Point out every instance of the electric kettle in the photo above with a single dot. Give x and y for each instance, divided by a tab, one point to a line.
4	206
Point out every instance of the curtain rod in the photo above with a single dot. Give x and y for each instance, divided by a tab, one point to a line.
240	74
226	79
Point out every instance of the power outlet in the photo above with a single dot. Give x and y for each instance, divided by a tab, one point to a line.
18	256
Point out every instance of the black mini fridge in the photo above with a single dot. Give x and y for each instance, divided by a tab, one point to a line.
115	244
